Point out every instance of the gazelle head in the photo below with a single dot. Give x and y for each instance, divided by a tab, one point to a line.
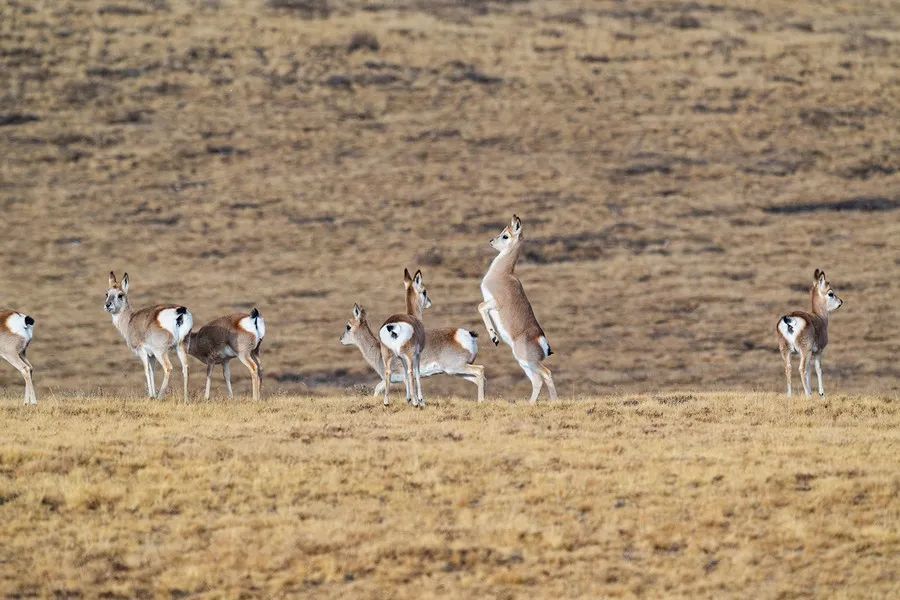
415	290
824	300
509	237
116	294
354	325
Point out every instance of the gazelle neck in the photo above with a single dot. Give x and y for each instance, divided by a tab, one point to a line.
505	262
414	303
370	347
122	319
818	305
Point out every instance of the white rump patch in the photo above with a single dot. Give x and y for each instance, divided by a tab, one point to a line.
791	329
255	326
545	345
168	320
465	339
395	340
16	324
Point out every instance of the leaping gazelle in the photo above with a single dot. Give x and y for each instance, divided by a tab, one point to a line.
806	333
151	332
508	315
16	331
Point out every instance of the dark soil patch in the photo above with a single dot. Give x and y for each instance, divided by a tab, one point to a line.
858	204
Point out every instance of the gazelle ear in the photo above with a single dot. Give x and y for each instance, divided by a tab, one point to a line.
125	283
418	278
820	278
407	278
112	279
358	312
516	224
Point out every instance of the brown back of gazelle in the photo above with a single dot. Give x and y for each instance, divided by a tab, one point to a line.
238	335
507	313
16	332
806	333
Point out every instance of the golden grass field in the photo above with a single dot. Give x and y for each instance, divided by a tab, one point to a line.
681	168
658	495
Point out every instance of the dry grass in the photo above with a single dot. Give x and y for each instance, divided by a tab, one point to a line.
228	152
700	495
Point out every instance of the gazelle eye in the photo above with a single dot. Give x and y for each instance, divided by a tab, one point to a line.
348	326
831	294
505	237
120	296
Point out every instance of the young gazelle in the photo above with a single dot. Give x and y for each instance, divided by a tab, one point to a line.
807	333
232	336
403	336
508	315
16	331
151	332
447	351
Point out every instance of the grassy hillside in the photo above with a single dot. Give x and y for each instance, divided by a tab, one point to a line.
696	495
681	169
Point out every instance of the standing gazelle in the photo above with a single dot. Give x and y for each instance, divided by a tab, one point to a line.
807	333
16	331
232	336
403	336
151	332
508	315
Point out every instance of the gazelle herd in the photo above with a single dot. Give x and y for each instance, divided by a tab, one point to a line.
403	349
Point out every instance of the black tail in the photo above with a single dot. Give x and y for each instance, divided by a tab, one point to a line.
549	351
28	321
180	311
473	334
786	319
254	314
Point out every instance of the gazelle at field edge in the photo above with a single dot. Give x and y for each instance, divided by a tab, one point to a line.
16	331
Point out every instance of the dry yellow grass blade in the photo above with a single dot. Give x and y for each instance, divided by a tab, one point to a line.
697	495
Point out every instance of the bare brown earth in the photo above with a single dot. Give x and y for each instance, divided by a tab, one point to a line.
653	495
681	168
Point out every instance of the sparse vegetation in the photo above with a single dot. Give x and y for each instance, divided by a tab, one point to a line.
700	495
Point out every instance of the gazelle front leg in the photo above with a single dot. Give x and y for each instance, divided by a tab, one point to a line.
226	372
163	360
485	309
805	374
148	373
209	370
786	355
818	360
420	395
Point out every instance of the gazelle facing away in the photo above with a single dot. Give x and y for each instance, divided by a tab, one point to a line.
508	315
232	336
807	333
16	331
447	350
403	336
150	333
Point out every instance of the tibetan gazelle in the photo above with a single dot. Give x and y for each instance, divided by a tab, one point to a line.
447	351
508	315
16	331
151	332
403	336
232	336
806	333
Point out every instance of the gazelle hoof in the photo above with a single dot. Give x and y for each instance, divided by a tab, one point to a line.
821	394
495	340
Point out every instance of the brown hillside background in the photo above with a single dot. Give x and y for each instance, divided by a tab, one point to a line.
681	169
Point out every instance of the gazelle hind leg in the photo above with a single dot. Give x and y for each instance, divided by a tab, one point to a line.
386	377
547	376
29	382
536	381
818	360
163	360
475	374
248	362
182	357
420	395
24	368
805	374
786	356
